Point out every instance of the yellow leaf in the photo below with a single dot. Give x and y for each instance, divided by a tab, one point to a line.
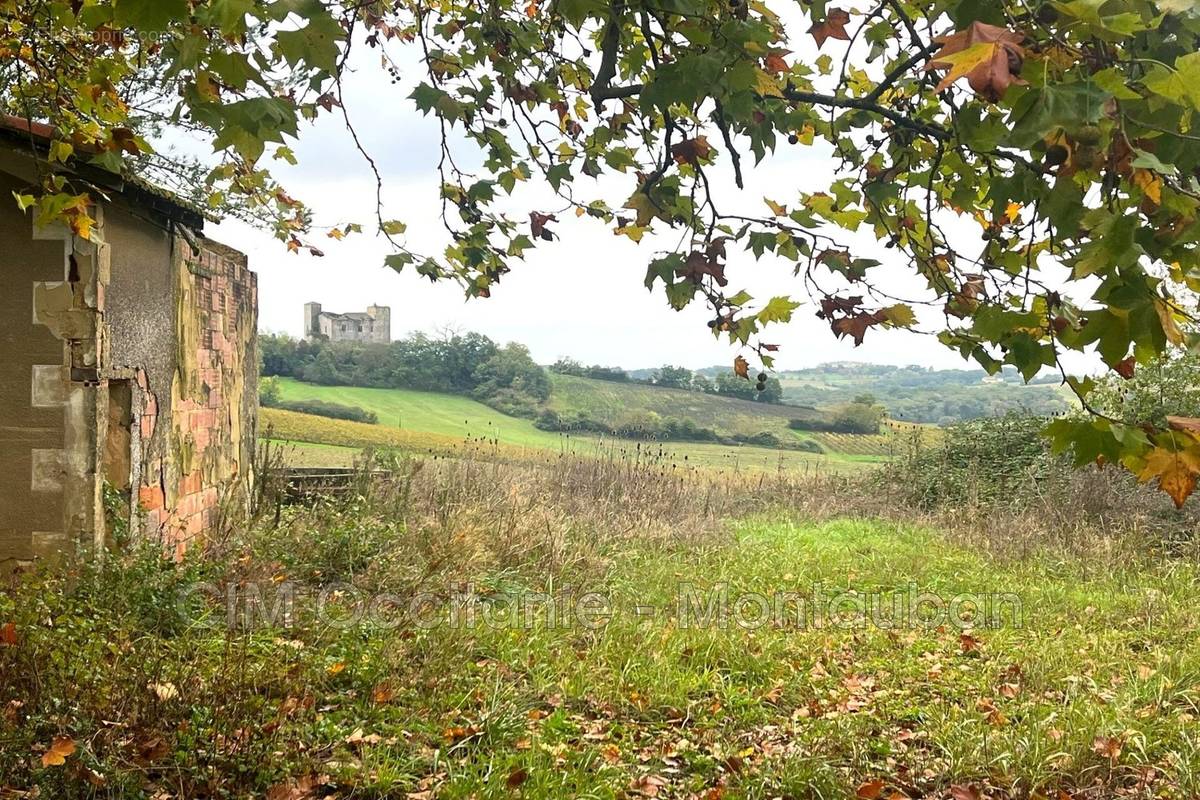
81	225
1150	184
777	209
60	749
1166	316
965	61
765	85
164	691
1176	472
61	151
1013	212
900	315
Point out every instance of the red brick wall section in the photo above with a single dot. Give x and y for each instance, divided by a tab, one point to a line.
211	420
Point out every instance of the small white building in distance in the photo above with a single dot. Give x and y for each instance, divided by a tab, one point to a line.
373	327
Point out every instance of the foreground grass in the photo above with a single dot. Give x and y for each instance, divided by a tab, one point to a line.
1091	689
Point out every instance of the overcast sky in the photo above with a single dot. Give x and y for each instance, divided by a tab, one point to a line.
581	297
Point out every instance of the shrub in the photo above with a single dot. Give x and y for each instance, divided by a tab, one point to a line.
321	408
856	417
995	460
1166	387
809	446
268	393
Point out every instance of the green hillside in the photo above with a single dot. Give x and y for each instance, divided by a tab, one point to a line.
923	395
452	418
613	403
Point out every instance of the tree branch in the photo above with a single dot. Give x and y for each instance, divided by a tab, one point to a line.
900	69
862	104
610	41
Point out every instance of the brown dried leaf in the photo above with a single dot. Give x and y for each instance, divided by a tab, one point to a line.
832	27
61	748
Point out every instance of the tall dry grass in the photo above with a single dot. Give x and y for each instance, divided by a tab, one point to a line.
411	525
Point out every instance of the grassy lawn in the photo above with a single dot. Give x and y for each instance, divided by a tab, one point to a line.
1086	681
428	422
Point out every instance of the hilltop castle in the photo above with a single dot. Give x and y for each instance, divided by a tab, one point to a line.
374	326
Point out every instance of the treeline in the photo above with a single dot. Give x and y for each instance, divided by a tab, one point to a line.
504	377
725	384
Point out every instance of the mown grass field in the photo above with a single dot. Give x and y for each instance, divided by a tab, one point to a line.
317	441
1084	686
440	423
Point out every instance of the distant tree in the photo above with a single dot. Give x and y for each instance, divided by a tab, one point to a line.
673	377
1166	387
730	385
568	366
773	393
268	393
512	369
858	418
702	383
600	373
324	369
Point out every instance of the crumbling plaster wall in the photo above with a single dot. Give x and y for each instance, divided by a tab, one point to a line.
183	330
170	328
214	396
51	344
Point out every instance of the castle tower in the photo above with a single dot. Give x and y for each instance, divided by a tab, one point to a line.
312	320
381	331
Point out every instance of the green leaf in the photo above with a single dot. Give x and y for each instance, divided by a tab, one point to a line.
1181	85
1043	110
25	201
315	45
149	15
228	15
778	309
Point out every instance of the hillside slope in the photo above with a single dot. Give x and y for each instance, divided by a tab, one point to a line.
420	421
612	403
456	419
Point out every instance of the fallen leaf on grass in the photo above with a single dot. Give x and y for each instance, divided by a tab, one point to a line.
961	792
164	691
871	790
357	738
302	789
1107	746
647	785
60	749
517	777
383	693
